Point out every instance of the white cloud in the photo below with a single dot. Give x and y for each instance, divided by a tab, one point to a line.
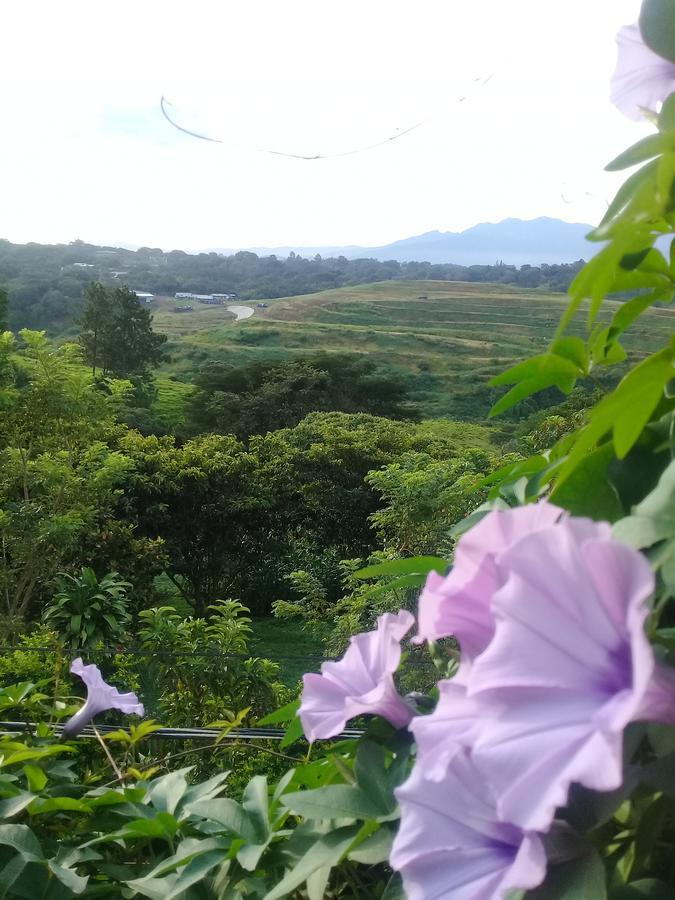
87	154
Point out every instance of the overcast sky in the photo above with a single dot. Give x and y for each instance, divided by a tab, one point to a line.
86	152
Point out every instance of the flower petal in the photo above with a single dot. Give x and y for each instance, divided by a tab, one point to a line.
451	844
361	682
642	79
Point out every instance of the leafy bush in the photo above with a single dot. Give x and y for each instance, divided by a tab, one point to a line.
86	611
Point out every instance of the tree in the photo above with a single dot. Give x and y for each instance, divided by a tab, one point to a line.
265	396
117	333
95	323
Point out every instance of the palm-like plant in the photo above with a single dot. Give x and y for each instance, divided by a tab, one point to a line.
86	611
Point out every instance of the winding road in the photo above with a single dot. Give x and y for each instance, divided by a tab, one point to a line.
241	312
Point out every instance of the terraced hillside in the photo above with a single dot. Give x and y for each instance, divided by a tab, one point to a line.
448	337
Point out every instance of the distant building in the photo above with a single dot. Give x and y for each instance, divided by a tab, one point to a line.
144	296
211	299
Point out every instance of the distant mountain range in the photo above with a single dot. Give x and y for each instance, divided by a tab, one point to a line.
513	241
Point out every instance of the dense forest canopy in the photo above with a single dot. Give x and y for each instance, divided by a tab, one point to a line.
46	282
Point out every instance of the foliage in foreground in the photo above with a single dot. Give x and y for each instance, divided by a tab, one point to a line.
326	828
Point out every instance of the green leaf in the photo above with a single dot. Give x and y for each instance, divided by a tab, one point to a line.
588	492
21	839
579	879
626	411
656	25
317	883
166	793
326	852
176	885
533	375
35	776
373	777
10	806
653	519
644	889
283	714
293	733
187	850
375	849
572	349
68	877
335	801
404	582
226	812
71	804
645	149
415	565
255	802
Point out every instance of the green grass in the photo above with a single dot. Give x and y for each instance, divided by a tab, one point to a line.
447	338
171	398
277	639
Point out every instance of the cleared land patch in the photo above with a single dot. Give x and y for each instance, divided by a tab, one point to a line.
449	338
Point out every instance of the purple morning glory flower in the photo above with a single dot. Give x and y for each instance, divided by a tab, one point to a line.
100	697
568	668
450	843
361	682
451	727
459	603
642	79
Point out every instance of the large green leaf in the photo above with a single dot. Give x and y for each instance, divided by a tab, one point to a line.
68	877
414	565
166	792
283	714
588	492
653	519
10	806
225	812
373	777
579	879
644	149
21	839
625	411
326	852
335	801
177	884
375	849
255	802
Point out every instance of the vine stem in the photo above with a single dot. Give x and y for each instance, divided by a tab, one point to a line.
112	762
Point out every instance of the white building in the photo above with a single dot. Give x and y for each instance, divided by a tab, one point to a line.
144	296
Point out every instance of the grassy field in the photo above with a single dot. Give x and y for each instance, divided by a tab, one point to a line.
448	338
294	648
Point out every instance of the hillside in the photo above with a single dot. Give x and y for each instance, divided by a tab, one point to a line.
448	338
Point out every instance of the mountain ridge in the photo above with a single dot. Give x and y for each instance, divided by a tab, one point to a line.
513	241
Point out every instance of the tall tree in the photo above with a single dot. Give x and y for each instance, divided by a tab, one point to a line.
95	323
117	333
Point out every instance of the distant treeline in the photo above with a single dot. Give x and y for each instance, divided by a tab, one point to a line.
46	282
